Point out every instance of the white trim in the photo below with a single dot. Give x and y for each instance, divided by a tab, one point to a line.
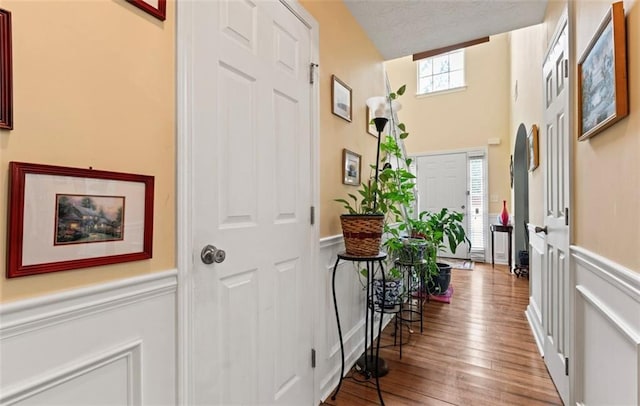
33	314
131	352
471	152
184	244
609	315
334	240
618	275
533	316
613	292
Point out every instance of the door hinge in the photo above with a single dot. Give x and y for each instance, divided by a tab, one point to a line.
566	216
566	366
566	68
313	358
312	213
312	72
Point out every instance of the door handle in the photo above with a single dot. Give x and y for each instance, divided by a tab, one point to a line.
211	254
462	207
541	229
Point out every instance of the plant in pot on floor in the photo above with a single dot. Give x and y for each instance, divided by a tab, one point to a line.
439	226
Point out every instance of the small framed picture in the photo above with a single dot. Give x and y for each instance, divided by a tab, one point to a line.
602	76
371	127
157	8
67	218
532	147
351	166
340	98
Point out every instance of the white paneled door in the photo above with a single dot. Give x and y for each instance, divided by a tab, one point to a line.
555	289
252	192
442	182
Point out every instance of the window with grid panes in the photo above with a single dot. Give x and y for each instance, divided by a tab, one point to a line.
441	72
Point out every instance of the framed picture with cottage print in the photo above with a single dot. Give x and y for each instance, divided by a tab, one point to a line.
602	76
67	218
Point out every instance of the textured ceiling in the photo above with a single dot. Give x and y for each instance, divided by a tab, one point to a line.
404	27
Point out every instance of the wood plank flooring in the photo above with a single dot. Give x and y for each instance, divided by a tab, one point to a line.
476	350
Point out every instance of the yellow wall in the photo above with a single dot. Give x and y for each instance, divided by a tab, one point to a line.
606	197
527	53
347	52
93	86
463	119
606	171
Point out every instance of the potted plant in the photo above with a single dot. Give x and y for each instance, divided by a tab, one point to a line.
439	226
368	211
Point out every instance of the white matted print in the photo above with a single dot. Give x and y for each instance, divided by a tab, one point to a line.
340	98
351	167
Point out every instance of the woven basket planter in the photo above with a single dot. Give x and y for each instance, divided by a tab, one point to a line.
362	233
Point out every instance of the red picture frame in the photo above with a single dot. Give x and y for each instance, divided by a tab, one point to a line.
6	74
43	235
159	11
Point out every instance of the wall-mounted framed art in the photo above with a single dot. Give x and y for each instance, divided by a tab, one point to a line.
64	218
533	148
602	76
157	8
340	98
351	167
6	74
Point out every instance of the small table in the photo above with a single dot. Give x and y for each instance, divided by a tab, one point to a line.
502	229
370	364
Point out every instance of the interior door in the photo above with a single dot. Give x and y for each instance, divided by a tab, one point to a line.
442	182
251	163
555	289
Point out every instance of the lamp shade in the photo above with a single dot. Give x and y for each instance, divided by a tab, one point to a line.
380	107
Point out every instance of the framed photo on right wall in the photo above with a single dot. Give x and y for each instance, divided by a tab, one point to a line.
602	76
532	148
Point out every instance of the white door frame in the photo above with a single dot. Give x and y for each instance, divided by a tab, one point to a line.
471	152
184	181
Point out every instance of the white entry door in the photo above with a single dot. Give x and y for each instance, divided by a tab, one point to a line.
442	182
249	119
555	289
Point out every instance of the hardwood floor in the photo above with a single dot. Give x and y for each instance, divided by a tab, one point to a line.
477	350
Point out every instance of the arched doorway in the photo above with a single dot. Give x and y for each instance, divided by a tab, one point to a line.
520	190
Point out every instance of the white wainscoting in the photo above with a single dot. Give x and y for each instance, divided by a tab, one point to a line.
113	343
606	351
536	262
350	295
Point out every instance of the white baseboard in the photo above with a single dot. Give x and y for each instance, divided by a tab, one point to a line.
606	328
110	343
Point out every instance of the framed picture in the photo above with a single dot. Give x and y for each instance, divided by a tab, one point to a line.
371	127
6	86
532	147
602	76
67	218
340	98
157	8
351	167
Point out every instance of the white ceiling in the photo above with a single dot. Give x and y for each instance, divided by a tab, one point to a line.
404	27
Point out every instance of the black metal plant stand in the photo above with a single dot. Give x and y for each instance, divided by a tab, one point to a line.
370	364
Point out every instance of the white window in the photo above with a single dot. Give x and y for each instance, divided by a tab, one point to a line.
441	72
477	208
